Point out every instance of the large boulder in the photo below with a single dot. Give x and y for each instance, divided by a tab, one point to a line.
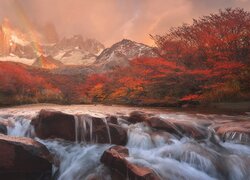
24	159
54	124
115	159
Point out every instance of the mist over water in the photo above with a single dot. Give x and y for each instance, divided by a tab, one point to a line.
169	156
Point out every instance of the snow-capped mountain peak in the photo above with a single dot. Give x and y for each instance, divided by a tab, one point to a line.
122	52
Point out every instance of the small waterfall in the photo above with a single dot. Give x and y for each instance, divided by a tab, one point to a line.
90	124
20	126
138	137
84	127
81	123
108	130
76	128
82	130
237	137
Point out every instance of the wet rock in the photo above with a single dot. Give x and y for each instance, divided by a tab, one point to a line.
136	117
24	159
3	129
112	119
159	123
54	124
98	130
115	159
179	128
93	177
113	134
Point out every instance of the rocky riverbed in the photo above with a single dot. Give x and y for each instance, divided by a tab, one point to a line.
115	142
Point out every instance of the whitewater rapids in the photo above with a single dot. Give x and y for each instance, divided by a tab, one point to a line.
168	156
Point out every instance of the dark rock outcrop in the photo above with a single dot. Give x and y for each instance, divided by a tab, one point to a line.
115	159
24	159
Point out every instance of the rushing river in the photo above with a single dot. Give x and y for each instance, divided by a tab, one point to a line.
170	158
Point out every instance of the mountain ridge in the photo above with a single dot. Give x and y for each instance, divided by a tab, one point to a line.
87	53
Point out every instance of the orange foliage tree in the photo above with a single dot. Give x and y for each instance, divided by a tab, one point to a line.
215	49
18	85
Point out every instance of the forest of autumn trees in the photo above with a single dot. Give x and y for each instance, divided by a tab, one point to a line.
19	86
207	61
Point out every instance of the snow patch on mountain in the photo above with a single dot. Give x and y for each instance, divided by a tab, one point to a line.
17	59
17	40
75	57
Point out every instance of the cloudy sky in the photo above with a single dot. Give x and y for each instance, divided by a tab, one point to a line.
112	20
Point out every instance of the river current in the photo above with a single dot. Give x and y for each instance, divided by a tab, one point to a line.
170	158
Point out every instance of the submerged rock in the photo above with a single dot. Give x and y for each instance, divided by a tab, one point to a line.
236	132
24	158
180	128
115	159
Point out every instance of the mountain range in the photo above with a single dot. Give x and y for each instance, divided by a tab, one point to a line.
73	52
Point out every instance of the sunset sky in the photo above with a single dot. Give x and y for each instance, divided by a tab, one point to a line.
112	20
